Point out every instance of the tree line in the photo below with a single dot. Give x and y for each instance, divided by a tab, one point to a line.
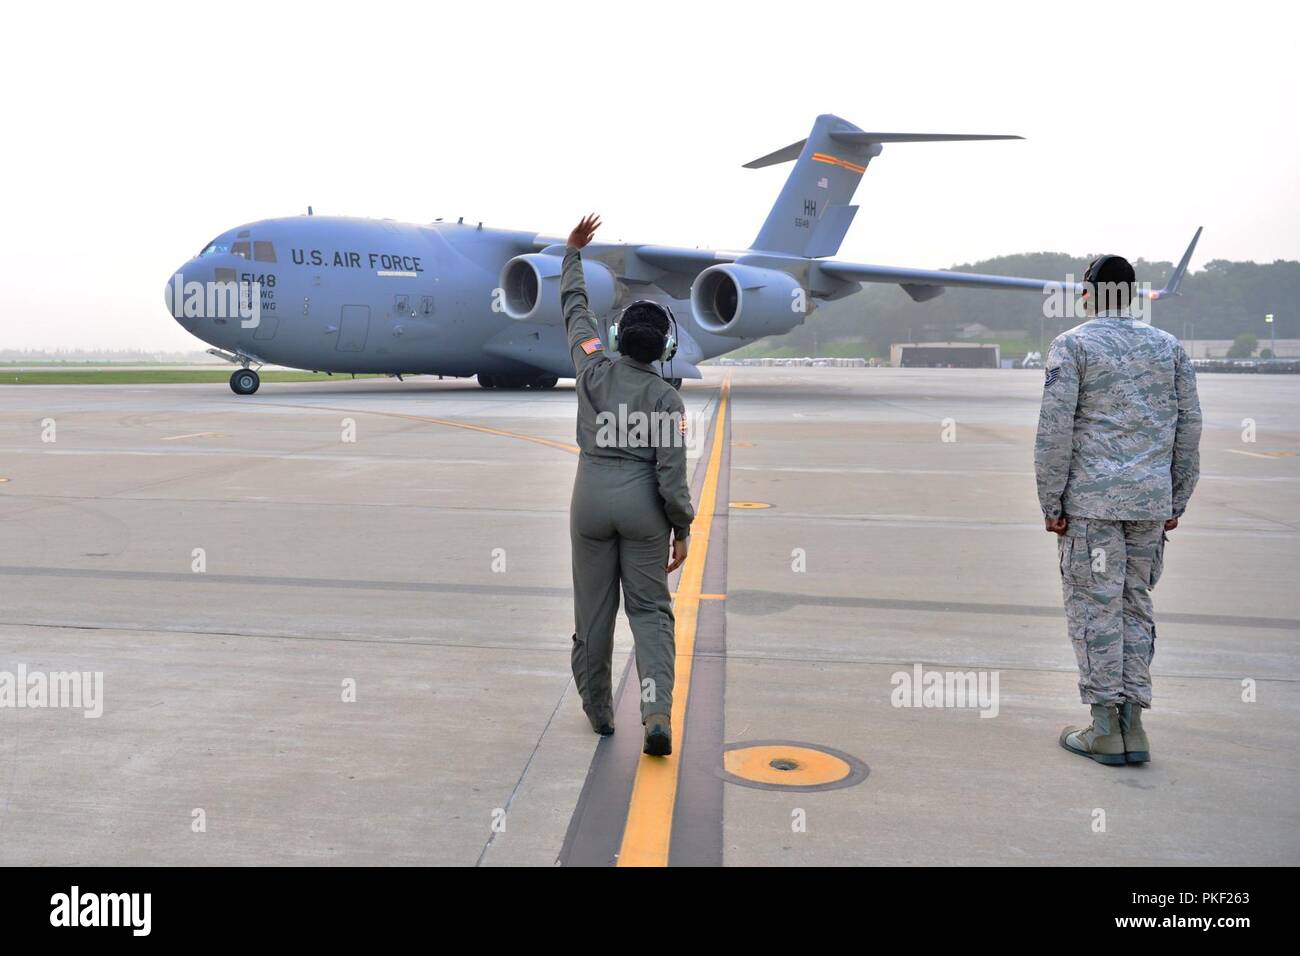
1223	300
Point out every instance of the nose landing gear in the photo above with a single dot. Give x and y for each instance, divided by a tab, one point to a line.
245	382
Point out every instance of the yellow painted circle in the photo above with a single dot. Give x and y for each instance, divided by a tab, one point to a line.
749	504
807	767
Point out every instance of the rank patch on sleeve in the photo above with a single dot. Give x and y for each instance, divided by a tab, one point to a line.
1052	375
591	346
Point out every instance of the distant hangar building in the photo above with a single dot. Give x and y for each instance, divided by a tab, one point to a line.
944	355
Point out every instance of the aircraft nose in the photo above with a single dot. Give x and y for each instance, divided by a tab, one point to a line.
174	294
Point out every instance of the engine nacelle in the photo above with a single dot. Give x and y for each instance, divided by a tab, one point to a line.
530	288
746	302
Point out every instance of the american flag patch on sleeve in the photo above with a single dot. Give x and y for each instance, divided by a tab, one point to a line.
591	346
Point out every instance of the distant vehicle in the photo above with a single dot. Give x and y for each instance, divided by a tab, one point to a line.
1032	360
361	295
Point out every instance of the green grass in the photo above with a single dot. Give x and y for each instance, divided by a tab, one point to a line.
154	377
73	363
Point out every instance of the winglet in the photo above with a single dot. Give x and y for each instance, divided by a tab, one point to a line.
1171	287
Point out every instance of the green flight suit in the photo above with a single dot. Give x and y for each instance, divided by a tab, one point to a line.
630	491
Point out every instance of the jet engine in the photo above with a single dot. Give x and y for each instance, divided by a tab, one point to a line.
747	302
530	288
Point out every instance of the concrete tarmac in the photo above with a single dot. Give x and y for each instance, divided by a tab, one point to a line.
333	626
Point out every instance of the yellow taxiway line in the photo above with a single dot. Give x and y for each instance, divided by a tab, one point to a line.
649	826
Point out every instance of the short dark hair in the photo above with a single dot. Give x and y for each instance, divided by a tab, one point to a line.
642	331
1110	281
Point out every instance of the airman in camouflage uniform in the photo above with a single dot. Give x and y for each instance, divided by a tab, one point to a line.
1116	458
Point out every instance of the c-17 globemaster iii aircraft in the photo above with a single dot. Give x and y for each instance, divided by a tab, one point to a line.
361	295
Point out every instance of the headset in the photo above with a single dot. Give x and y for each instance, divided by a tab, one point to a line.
670	340
1093	271
1094	268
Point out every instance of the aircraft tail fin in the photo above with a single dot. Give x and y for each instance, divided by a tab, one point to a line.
813	212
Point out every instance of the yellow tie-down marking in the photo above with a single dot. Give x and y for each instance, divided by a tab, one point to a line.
193	435
649	824
1263	454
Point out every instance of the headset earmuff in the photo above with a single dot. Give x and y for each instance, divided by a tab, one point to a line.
670	340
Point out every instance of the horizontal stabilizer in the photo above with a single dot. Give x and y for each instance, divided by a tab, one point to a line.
860	138
788	154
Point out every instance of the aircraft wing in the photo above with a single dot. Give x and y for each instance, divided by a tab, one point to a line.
923	284
683	260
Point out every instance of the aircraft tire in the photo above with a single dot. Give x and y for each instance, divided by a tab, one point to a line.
245	382
546	381
675	383
487	381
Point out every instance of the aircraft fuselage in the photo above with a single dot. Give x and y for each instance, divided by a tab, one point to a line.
363	295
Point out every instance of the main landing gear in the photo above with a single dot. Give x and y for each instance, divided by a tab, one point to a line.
245	382
516	381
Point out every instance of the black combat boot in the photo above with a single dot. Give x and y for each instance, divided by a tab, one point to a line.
658	735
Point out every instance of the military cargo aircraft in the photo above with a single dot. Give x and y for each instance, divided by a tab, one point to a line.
351	295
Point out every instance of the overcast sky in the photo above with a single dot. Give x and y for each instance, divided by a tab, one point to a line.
133	134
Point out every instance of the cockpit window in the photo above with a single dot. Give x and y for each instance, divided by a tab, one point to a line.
216	249
241	248
263	251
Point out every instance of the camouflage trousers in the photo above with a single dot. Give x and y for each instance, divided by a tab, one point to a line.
1107	571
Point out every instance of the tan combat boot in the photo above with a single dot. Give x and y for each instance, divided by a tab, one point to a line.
1101	740
1136	748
